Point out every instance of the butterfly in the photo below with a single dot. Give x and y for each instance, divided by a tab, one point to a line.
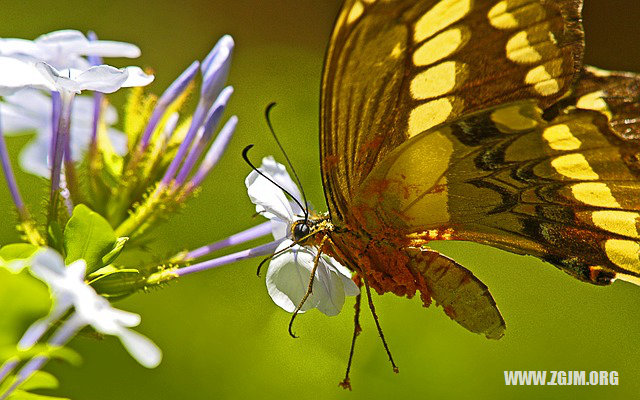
477	121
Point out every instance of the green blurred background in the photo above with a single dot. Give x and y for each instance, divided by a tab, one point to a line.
222	336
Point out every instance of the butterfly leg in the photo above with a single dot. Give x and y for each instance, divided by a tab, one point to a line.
375	318
346	383
316	261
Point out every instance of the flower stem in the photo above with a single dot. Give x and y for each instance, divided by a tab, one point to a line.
11	178
27	223
196	122
261	250
239	238
97	110
61	133
68	329
7	367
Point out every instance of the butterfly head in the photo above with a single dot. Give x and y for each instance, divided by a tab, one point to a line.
304	229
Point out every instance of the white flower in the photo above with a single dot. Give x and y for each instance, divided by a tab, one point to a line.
288	280
100	78
17	74
69	289
288	274
65	49
30	110
270	201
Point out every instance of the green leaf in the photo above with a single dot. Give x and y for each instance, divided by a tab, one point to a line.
22	395
13	256
40	380
55	237
54	352
23	299
65	354
88	236
118	283
115	252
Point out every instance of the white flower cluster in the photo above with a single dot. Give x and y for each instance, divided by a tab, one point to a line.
69	290
36	76
59	62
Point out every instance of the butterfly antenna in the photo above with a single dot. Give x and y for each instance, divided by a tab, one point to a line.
276	254
267	114
245	156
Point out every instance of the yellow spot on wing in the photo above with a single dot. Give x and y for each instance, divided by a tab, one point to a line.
438	80
620	222
511	119
594	194
574	166
430	114
624	253
355	12
510	14
594	101
440	16
521	51
441	46
560	138
532	45
543	77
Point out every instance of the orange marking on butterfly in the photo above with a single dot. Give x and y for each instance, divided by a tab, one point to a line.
373	144
451	313
332	160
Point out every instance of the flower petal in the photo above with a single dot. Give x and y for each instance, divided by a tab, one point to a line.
108	48
137	77
59	81
47	264
329	290
12	47
279	174
270	200
16	75
288	277
34	158
350	287
102	78
77	270
125	318
118	141
26	110
61	37
140	347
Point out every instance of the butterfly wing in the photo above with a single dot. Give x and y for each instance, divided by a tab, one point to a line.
562	185
463	297
397	68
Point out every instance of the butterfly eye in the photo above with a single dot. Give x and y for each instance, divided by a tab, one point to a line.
300	231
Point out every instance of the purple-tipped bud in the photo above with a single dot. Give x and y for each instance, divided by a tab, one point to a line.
215	113
215	151
93	59
170	126
215	69
169	96
205	133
